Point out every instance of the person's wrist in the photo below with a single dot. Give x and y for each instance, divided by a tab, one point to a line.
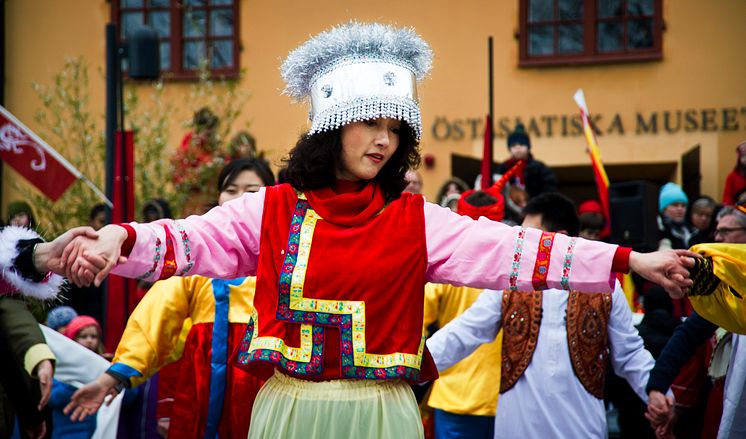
129	242
40	365
108	381
119	232
40	256
634	260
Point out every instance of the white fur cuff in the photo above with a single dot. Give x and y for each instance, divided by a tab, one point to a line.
46	289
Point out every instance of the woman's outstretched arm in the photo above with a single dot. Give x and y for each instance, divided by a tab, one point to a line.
223	243
488	254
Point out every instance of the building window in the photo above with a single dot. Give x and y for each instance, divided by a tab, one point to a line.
557	32
192	33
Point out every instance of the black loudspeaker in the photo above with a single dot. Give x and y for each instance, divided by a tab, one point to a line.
633	208
144	54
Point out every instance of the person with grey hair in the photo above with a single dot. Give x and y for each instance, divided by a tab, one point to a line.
731	222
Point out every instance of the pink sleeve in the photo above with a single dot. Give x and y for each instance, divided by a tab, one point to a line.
488	254
223	243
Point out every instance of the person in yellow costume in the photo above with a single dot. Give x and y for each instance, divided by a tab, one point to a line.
211	396
719	288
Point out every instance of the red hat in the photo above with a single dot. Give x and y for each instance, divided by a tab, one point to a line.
78	323
495	211
590	206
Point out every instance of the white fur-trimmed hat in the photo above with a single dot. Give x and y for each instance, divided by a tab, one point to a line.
359	71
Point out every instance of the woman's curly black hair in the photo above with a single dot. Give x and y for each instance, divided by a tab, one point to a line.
313	162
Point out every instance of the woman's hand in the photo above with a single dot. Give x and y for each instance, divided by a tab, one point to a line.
88	260
88	399
668	268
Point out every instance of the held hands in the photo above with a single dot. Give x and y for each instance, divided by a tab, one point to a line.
47	256
660	414
88	399
669	269
82	254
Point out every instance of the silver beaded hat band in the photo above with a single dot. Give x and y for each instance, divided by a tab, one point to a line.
356	72
357	91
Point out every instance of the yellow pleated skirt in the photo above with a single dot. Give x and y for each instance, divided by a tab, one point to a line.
287	407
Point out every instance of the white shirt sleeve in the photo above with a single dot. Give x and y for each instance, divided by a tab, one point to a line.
463	335
629	358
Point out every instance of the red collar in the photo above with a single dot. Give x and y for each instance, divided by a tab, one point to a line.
348	203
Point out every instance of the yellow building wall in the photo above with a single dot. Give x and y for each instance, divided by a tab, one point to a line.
702	68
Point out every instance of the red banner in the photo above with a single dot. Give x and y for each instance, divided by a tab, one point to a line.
123	294
42	166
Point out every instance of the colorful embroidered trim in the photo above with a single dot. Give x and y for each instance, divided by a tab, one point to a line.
543	255
156	259
305	360
517	254
567	265
169	260
349	316
187	249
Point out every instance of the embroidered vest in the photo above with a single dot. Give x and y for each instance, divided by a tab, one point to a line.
587	338
339	302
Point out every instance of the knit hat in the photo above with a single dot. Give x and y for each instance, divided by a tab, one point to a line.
60	316
494	211
671	193
519	137
359	71
590	206
78	323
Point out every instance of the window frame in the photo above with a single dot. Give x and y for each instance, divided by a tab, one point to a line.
177	38
590	54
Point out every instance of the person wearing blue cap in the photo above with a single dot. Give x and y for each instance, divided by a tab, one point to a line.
58	318
674	231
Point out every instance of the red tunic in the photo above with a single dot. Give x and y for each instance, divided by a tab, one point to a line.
340	287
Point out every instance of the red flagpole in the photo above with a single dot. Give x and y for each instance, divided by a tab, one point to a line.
487	154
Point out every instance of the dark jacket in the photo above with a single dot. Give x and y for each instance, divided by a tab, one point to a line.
683	344
680	235
19	392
